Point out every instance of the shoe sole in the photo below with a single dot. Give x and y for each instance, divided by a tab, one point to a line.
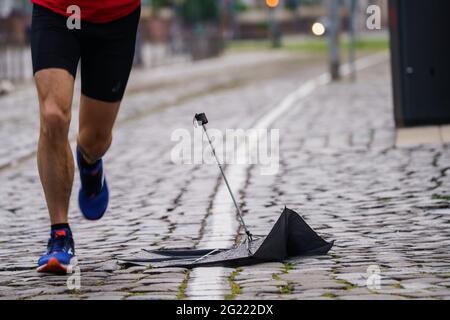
53	266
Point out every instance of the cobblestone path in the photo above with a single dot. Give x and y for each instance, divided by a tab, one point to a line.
386	207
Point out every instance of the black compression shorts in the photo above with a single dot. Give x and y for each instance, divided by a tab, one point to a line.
106	51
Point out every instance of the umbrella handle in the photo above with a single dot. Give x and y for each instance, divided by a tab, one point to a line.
201	119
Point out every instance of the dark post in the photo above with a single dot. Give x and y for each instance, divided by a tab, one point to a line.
420	61
352	38
333	38
274	30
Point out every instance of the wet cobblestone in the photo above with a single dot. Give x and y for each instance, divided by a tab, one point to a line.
339	168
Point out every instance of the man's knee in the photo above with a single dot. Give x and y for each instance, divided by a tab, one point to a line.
55	120
94	143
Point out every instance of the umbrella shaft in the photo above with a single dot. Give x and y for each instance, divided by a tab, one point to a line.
227	184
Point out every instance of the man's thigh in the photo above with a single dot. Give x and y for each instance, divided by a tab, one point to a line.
107	52
55	54
53	45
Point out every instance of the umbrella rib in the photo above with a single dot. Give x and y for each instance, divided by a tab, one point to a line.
206	255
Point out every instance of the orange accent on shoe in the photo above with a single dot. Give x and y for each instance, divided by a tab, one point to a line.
61	233
53	266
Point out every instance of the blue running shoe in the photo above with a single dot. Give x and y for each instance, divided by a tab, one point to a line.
93	197
60	253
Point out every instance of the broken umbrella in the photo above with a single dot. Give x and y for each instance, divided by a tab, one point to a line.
290	237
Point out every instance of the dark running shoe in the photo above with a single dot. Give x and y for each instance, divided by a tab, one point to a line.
93	197
60	255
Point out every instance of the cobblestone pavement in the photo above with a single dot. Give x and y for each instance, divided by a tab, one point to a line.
384	206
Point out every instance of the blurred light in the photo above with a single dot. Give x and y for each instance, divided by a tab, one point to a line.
318	29
272	3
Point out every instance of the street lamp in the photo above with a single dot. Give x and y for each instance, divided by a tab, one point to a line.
318	29
272	3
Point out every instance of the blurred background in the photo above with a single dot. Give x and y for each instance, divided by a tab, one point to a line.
337	31
172	31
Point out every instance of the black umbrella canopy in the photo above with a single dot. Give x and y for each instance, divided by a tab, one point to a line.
290	237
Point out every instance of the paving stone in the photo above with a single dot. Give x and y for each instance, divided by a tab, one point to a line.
152	296
156	288
105	296
372	297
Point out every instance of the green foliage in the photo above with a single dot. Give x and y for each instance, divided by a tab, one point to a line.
159	4
311	2
349	285
287	267
440	197
287	288
194	11
292	4
240	6
183	286
329	295
235	288
314	45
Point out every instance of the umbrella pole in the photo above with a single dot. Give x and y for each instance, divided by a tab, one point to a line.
201	119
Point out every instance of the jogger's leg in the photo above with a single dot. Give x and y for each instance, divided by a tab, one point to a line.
106	58
95	127
55	160
95	135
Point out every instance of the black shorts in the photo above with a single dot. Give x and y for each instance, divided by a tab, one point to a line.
106	51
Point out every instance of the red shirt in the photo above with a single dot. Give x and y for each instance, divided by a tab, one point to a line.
97	11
